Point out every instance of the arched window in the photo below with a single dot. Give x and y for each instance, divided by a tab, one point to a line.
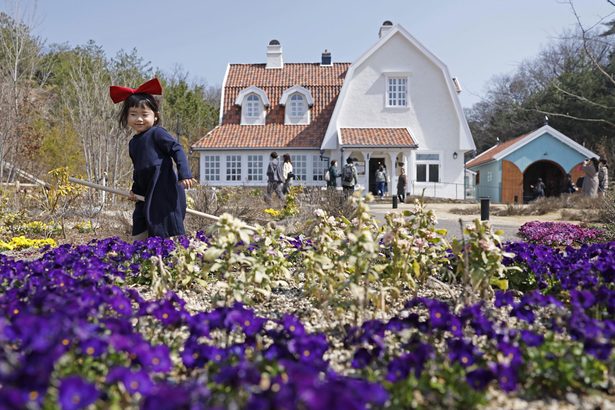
252	101
253	106
297	101
298	107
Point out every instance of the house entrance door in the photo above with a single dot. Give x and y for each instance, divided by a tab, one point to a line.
374	163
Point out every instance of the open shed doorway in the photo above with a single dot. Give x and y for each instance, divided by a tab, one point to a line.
552	175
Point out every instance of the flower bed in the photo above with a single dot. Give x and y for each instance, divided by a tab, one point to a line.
82	325
557	233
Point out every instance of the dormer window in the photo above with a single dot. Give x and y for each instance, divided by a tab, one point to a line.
297	110
252	107
253	102
297	101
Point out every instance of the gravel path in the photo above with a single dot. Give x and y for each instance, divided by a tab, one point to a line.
450	221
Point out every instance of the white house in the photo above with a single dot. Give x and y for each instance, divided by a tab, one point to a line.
396	104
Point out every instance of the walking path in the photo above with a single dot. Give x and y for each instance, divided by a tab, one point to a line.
450	221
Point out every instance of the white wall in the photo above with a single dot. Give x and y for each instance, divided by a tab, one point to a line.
430	115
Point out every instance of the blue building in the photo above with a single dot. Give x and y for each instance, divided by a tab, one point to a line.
506	171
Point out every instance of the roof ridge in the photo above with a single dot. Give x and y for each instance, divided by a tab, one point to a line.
286	63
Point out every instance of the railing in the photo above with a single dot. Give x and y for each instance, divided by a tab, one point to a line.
450	190
13	170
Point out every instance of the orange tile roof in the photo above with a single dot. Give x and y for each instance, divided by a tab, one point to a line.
489	155
324	82
377	136
234	136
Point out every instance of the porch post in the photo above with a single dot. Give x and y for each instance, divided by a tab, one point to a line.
393	176
366	155
411	172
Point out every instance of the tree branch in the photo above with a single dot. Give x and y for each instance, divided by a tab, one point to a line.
572	117
580	97
585	47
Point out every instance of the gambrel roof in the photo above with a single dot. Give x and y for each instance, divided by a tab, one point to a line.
465	140
323	82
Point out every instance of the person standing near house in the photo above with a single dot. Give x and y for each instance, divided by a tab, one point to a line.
334	174
349	177
153	152
539	189
402	185
381	179
590	180
287	173
603	177
569	187
275	177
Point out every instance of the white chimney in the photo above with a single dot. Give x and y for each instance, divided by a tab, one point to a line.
385	28
274	55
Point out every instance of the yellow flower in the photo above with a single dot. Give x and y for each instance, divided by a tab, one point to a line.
21	242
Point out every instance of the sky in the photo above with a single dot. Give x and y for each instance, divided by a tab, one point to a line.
476	39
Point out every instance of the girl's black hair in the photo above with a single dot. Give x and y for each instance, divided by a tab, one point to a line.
138	100
596	164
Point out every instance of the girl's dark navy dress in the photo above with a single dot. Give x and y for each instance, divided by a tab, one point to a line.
152	153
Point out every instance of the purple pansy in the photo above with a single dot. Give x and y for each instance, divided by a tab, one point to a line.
479	378
134	381
76	393
461	351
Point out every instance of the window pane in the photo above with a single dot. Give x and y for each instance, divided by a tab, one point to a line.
434	173
297	105
318	168
252	106
421	172
233	167
255	168
211	168
299	166
427	157
397	91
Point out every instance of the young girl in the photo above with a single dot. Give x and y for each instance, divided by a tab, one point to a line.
153	151
287	172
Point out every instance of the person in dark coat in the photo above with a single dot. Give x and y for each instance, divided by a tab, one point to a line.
334	174
153	151
275	178
539	189
402	186
569	187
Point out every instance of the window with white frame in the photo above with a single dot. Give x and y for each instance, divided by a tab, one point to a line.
318	168
253	106
233	167
211	167
428	167
397	91
297	110
252	110
255	167
299	166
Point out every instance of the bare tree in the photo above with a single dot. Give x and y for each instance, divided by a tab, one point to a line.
84	98
20	59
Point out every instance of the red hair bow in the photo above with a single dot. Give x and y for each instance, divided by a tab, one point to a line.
119	94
